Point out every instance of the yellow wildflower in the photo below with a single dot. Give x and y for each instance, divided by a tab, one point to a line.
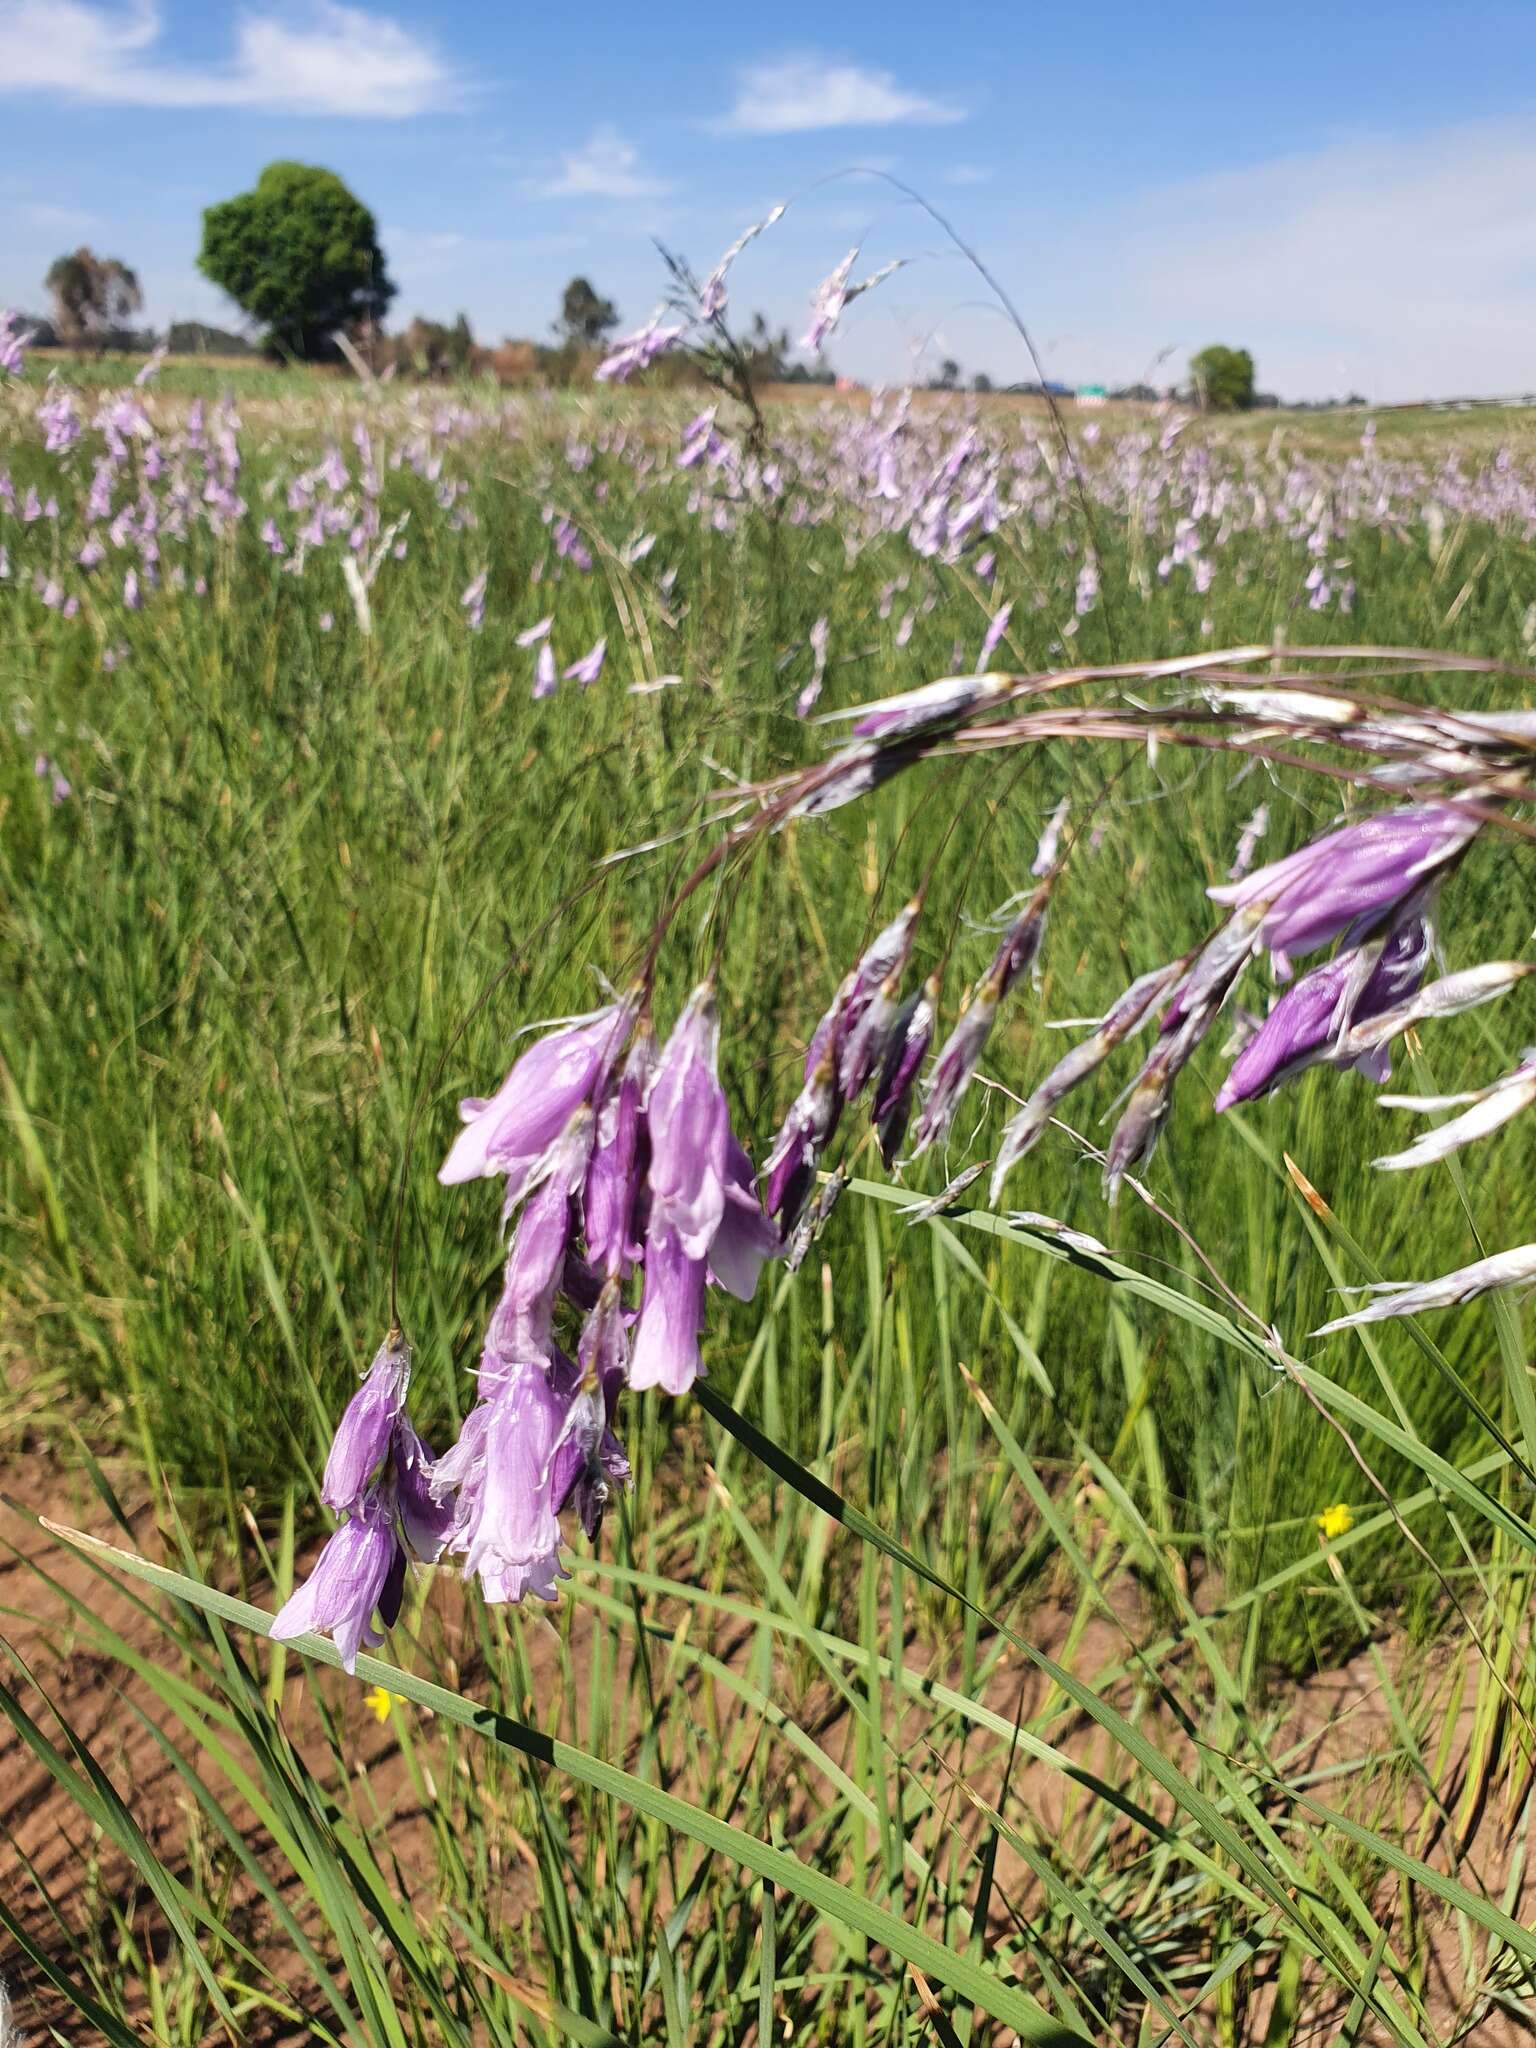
1335	1521
379	1702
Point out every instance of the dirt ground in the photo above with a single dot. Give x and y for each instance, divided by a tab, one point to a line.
52	1876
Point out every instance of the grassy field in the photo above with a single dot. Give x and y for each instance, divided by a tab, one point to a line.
1038	1742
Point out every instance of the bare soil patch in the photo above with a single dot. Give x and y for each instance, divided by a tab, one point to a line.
1335	1729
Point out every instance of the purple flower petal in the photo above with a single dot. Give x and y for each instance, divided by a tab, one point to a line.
1359	872
612	1192
666	1348
952	1072
522	1324
366	1426
746	1237
1305	1026
590	666
352	1576
514	1524
905	1051
689	1125
425	1519
512	1131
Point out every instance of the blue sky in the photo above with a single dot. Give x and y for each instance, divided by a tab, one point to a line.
1349	191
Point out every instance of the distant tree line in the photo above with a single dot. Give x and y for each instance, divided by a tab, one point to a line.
181	337
196	338
299	254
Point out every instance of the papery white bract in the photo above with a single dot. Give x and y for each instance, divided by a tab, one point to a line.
1410	1298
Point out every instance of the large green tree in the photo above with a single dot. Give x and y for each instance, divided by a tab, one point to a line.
300	253
1223	378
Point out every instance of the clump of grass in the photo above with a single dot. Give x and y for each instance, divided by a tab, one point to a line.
291	860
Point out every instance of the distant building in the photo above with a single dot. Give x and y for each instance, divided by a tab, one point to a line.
1091	394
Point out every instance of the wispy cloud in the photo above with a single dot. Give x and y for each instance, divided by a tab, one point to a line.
1400	268
792	95
333	60
425	254
968	174
51	219
605	167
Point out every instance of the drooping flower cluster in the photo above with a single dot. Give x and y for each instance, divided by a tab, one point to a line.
865	1029
628	1196
636	352
378	1478
1370	883
958	1058
870	1035
712	292
831	297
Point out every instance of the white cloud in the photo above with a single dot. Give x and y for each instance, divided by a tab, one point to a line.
335	60
968	174
51	219
605	167
425	254
792	95
1399	268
